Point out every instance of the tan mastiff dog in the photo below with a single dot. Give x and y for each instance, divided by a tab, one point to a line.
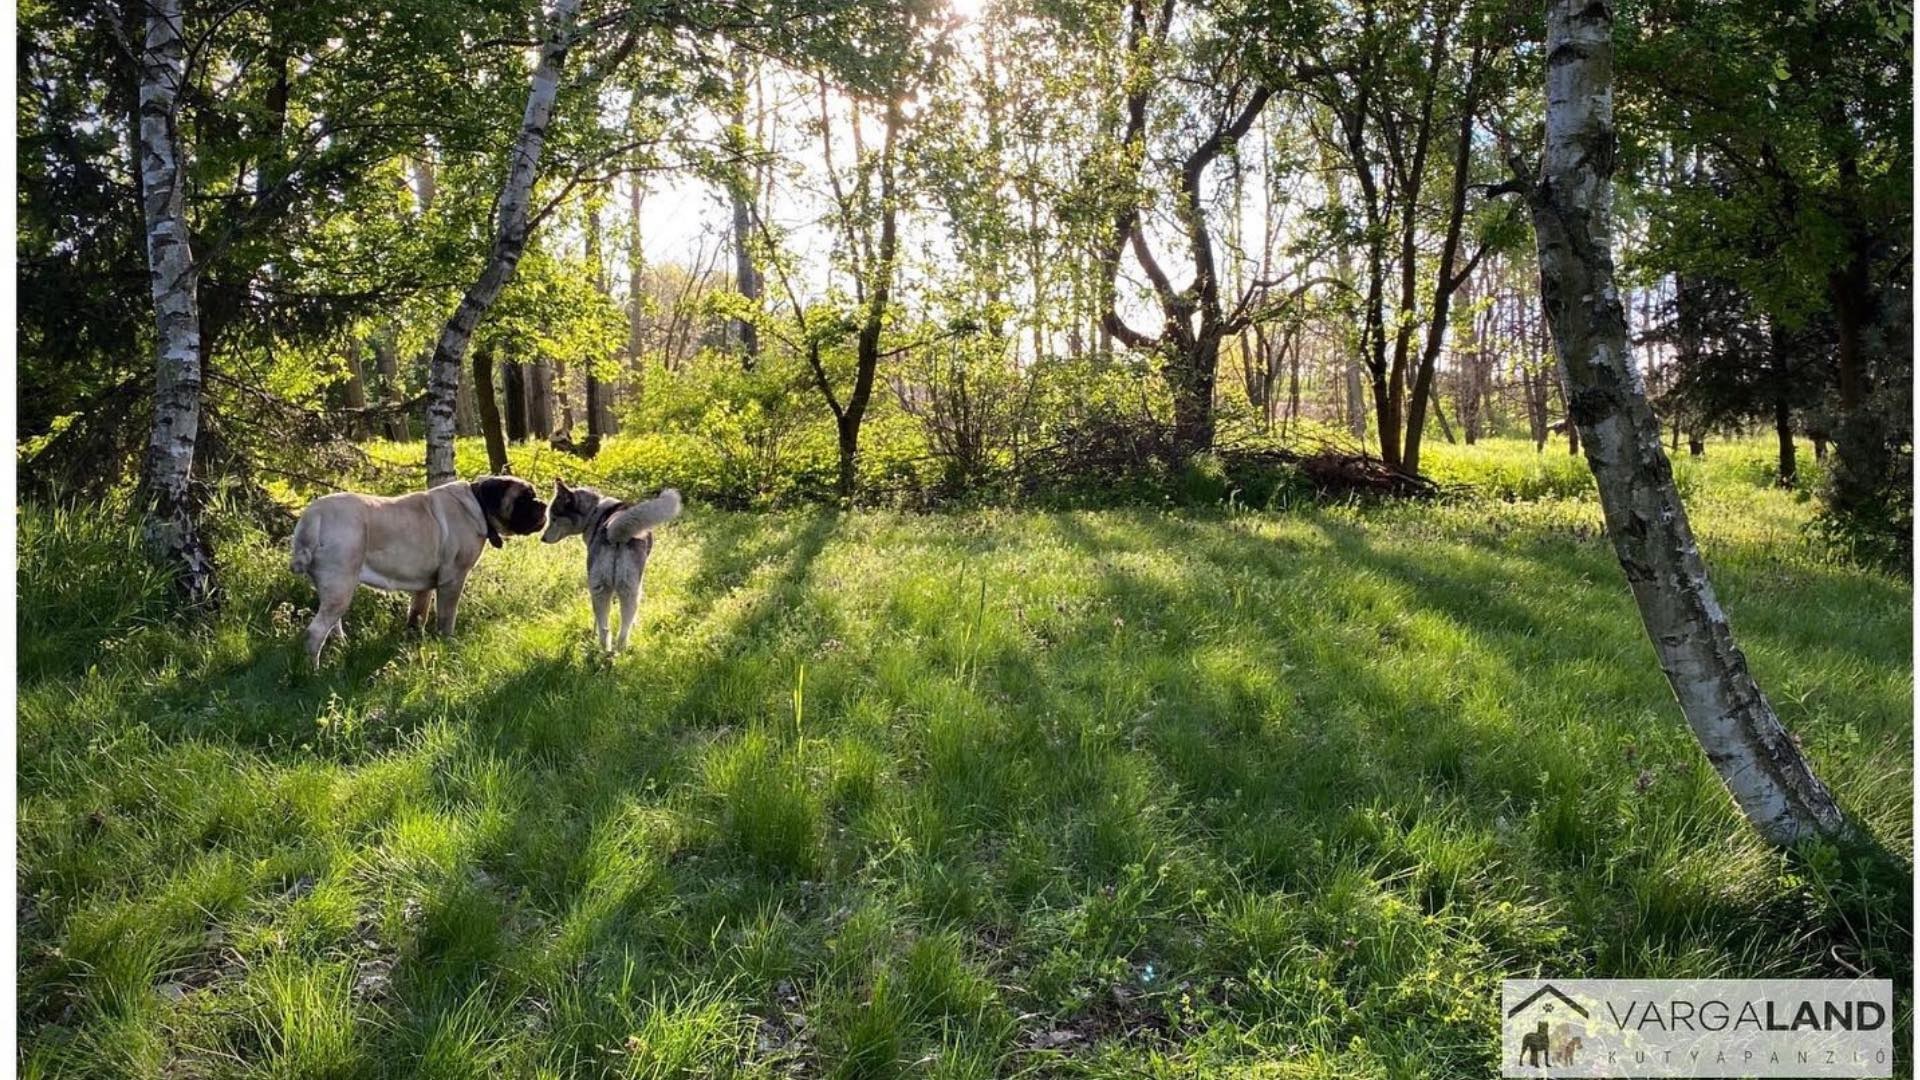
424	543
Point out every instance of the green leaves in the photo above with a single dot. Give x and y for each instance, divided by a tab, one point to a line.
555	309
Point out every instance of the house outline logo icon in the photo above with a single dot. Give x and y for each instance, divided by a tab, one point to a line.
1542	1048
1543	992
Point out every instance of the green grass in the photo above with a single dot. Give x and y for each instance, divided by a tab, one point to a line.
1112	793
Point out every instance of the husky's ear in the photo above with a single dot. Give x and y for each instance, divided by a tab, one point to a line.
560	489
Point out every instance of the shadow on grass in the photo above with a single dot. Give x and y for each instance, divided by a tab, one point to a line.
1858	878
598	751
1233	711
586	717
260	694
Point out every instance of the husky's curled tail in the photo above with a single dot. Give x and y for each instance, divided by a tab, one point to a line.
642	517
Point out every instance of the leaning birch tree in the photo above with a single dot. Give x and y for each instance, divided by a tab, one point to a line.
509	243
1571	205
171	533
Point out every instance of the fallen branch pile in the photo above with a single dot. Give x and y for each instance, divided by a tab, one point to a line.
1336	473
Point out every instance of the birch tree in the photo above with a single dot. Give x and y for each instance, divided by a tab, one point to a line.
172	534
515	219
1571	206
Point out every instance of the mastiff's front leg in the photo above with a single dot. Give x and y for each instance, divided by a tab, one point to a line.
448	601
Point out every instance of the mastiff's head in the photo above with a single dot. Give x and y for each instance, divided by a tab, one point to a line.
510	506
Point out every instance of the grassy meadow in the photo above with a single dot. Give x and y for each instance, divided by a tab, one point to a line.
1106	793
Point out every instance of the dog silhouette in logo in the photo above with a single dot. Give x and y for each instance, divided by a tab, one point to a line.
1565	1045
1534	1048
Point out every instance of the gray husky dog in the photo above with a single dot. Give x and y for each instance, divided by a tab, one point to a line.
619	538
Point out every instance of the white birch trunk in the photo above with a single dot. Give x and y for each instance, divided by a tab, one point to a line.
509	242
172	535
1571	204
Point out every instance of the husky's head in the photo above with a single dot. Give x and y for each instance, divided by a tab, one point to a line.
568	513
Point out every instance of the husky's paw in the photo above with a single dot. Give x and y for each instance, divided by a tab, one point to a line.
587	655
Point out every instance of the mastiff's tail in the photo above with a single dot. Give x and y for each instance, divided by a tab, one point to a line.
302	548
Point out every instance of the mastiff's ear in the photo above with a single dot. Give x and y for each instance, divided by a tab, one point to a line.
492	493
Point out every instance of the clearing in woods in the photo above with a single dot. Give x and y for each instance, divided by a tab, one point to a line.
1078	793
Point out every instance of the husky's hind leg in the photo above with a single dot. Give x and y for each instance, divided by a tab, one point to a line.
602	600
629	607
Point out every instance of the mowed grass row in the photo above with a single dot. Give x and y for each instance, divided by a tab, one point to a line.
1090	794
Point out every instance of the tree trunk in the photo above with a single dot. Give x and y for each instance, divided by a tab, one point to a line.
1782	405
746	278
848	429
560	387
355	390
466	417
1486	398
171	530
1445	280
1190	374
386	361
595	399
1386	399
636	289
596	414
1257	373
1356	395
1356	404
509	242
515	385
1850	292
1292	344
1571	205
1466	396
1189	355
1531	388
1783	429
1862	462
1386	419
489	409
1571	429
540	399
879	291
